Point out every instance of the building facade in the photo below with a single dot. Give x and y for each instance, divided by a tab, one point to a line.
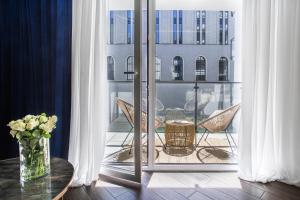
190	45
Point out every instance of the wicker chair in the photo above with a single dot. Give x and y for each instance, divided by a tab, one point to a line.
219	121
128	111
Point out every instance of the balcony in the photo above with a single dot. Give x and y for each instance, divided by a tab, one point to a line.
176	100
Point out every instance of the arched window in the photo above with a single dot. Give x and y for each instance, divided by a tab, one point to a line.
177	68
223	69
110	68
130	66
157	68
201	69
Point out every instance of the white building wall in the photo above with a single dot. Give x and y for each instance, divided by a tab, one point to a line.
120	27
166	27
189	27
166	51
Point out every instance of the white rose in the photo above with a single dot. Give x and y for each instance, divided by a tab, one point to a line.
43	119
46	127
18	125
32	124
28	117
11	123
13	133
53	119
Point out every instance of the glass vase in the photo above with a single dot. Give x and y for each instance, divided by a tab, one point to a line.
34	158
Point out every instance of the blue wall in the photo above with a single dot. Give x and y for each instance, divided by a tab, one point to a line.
35	67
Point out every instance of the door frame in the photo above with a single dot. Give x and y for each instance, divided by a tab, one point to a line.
109	172
151	85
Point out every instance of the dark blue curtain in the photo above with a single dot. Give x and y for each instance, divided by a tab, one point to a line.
35	67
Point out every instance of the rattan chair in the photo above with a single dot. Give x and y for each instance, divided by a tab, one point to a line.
219	121
128	111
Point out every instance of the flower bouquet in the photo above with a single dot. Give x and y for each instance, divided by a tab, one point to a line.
33	133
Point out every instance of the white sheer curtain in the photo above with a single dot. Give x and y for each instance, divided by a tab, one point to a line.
270	132
88	112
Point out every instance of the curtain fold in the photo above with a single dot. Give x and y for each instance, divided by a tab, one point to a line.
35	68
89	89
269	135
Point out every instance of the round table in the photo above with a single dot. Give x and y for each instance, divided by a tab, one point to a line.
52	186
180	137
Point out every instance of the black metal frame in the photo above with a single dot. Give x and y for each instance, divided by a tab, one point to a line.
226	133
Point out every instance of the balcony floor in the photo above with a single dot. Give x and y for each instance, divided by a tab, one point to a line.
214	150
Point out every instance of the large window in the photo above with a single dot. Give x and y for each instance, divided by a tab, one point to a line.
177	68
110	68
180	27
203	27
174	26
157	68
111	27
200	69
129	27
157	27
130	67
198	31
221	27
223	69
226	27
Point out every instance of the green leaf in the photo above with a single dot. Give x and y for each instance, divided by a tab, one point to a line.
27	133
47	135
18	135
36	133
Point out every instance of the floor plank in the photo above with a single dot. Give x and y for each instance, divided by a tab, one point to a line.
187	186
77	193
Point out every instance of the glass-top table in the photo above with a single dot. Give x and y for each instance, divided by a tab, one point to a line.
52	186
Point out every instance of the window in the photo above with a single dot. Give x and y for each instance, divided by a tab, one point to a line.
203	27
111	27
129	27
177	68
174	27
157	28
200	69
110	68
130	67
180	27
198	27
226	27
221	27
157	68
223	69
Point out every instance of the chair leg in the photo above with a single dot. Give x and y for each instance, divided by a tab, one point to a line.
232	140
122	145
131	146
160	139
201	138
229	141
206	136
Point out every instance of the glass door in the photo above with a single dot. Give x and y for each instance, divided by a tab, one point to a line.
193	73
123	153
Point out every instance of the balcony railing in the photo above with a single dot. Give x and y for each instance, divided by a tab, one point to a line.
191	100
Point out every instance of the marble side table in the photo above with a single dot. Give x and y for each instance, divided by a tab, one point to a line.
52	186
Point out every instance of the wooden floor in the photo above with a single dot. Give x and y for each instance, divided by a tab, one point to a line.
192	186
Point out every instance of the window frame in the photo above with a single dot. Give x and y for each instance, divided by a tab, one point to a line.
226	75
174	71
199	70
129	76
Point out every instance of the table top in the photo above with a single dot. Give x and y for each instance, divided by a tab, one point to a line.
179	122
52	186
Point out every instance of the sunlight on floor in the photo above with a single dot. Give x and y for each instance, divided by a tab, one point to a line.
194	180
